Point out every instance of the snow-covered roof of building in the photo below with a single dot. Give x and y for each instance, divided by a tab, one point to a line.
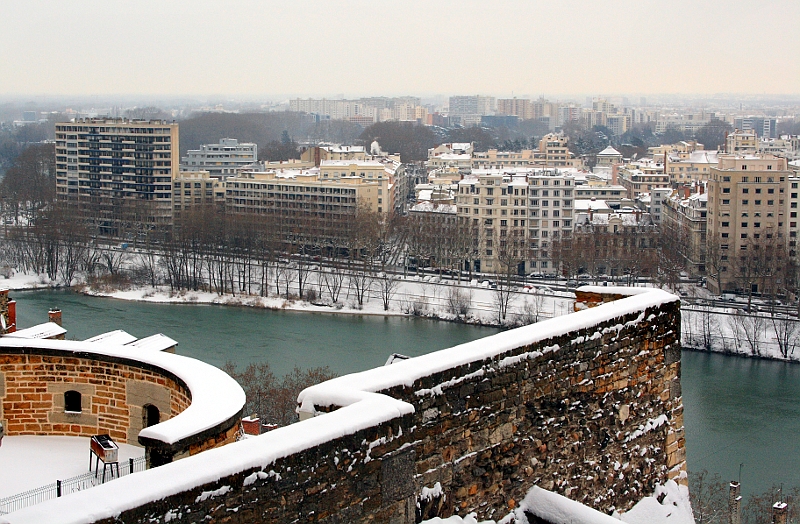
157	342
584	204
216	397
41	331
113	337
359	163
430	207
609	151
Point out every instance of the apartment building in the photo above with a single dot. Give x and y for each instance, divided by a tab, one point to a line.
520	107
641	177
300	194
220	160
383	174
554	152
690	167
685	215
515	215
195	189
118	172
749	199
741	142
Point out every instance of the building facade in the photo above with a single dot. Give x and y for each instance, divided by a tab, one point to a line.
118	172
220	160
747	208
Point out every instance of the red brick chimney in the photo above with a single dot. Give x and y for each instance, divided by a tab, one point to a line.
12	316
251	425
54	315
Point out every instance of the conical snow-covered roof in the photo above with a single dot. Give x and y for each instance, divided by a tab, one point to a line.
609	151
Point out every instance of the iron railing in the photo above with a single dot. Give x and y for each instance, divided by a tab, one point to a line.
61	488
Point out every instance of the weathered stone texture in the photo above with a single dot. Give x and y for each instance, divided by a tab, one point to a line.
595	415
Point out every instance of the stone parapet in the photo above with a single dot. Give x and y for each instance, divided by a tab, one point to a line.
587	406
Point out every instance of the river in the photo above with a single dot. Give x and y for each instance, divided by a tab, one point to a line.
737	410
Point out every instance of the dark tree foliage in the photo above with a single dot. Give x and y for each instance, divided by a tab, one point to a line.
274	400
29	183
789	127
673	135
482	138
411	140
712	135
263	129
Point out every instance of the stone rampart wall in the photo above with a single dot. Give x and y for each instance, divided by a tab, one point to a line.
114	393
589	408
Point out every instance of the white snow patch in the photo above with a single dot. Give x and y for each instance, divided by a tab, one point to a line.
648	426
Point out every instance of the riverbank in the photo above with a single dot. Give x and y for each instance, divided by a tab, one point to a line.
412	297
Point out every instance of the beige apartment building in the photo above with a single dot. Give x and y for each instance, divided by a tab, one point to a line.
554	152
384	173
521	107
298	194
194	189
749	199
741	142
118	172
641	177
515	216
685	214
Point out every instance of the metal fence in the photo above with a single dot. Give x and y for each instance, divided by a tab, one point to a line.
61	488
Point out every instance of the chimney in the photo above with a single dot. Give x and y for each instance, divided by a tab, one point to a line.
734	503
251	425
614	174
12	316
591	214
701	188
779	512
54	315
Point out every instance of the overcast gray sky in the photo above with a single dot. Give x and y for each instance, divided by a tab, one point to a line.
316	48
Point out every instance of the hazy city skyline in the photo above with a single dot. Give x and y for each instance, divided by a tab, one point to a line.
360	48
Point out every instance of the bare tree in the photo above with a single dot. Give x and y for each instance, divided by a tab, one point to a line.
749	329
787	333
459	301
387	285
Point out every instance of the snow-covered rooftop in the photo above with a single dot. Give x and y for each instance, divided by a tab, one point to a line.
46	330
609	151
430	207
157	342
118	336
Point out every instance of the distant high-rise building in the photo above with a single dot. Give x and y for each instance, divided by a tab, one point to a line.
471	105
763	127
118	172
520	107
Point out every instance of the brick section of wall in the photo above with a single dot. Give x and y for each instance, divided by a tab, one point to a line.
33	401
4	310
595	415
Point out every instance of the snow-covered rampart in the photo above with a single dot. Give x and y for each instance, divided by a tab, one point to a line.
558	404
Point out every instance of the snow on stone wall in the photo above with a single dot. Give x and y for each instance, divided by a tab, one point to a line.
587	406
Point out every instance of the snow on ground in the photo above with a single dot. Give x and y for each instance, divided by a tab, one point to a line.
25	281
29	462
427	295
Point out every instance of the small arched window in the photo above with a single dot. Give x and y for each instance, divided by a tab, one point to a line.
72	401
150	416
